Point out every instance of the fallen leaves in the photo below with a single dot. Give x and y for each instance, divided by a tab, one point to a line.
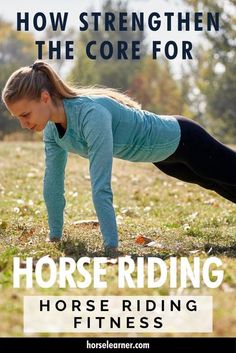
147	209
90	223
194	252
26	234
192	217
73	194
142	240
130	211
186	227
211	201
145	241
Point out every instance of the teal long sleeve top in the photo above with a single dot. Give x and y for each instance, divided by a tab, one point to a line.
100	128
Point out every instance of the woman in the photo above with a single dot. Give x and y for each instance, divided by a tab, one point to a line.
101	123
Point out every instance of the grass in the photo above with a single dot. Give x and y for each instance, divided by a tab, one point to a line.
186	219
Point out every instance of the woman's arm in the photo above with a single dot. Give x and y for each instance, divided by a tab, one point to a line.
53	191
97	131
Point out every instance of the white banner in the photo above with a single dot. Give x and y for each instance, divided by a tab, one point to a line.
117	314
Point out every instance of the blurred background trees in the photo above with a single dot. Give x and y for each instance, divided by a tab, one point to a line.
111	73
16	49
205	90
214	76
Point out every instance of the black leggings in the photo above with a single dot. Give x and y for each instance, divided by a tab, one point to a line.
202	160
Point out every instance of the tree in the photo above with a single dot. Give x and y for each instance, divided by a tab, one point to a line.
215	74
16	49
111	73
156	89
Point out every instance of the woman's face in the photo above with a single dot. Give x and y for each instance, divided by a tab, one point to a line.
32	114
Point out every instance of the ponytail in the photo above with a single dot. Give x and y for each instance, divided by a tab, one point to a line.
28	82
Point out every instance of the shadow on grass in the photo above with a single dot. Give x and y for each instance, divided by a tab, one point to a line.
229	251
76	249
208	249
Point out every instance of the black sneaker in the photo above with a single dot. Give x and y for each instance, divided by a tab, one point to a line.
112	251
53	240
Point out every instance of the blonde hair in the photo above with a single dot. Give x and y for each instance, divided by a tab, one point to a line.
28	82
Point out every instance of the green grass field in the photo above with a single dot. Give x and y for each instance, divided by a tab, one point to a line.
184	218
